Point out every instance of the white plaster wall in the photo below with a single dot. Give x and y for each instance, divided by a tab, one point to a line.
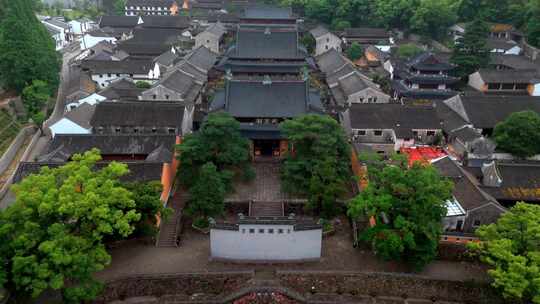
242	245
66	126
326	43
536	90
475	81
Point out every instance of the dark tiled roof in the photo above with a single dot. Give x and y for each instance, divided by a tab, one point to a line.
126	66
484	112
63	146
508	76
319	31
520	181
267	12
143	114
202	58
366	32
155	3
466	134
122	89
279	99
139	171
171	22
428	61
466	192
267	43
118	21
400	118
330	61
500	44
516	62
82	115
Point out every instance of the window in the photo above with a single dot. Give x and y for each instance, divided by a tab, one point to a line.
171	130
261	230
135	130
415	133
430	133
271	231
476	223
207	41
326	47
117	129
108	74
100	75
280	231
327	39
167	97
243	230
154	130
251	230
361	132
154	96
377	132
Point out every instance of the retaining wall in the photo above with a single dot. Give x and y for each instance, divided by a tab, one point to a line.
12	150
203	285
387	285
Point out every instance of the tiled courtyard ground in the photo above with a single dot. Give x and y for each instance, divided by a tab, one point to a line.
266	187
338	254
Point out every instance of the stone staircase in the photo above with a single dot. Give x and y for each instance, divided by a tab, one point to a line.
169	231
266	209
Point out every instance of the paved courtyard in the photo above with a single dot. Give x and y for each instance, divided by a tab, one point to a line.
338	254
266	187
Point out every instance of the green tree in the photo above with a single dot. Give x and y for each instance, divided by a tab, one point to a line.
519	134
511	247
35	96
319	166
38	119
395	13
52	236
354	52
408	204
148	204
433	17
27	51
340	24
470	51
408	50
119	7
309	42
143	85
207	195
218	141
533	23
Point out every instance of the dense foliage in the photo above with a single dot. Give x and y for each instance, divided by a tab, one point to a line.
35	96
408	50
519	134
210	158
27	51
511	247
52	236
429	18
354	52
408	204
207	194
319	166
470	51
218	141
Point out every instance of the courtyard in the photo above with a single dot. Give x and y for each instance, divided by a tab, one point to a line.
338	255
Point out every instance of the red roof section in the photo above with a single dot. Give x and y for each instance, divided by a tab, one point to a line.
422	154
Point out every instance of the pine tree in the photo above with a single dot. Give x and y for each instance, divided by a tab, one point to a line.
471	51
27	51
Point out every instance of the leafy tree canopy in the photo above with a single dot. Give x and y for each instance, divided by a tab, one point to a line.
408	204
512	248
354	52
218	141
52	236
320	164
408	50
519	134
433	17
35	96
207	194
27	51
470	51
